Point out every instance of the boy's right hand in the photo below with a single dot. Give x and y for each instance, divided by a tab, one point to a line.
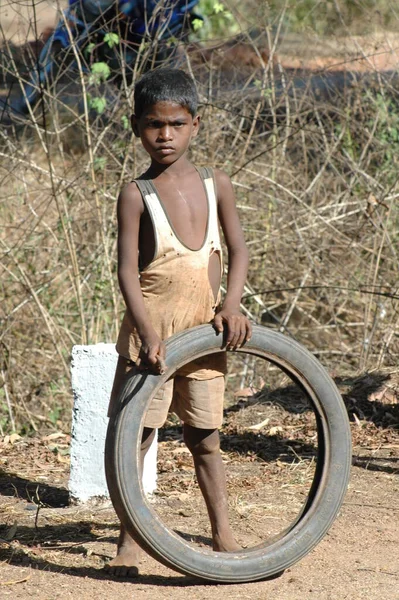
152	354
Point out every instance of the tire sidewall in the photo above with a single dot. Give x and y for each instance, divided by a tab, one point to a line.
265	560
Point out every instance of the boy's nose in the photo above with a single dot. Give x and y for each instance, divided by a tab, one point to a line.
165	133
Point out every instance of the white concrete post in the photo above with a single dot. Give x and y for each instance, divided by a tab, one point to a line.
93	369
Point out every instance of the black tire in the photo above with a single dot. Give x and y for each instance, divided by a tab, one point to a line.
324	499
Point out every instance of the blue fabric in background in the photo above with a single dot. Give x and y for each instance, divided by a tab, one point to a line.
165	19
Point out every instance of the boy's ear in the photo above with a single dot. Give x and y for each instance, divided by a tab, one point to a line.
133	122
196	124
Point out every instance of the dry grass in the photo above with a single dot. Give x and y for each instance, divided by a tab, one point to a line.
317	187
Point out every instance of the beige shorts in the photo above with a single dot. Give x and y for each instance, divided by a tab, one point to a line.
198	403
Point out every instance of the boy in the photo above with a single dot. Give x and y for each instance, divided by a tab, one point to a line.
168	231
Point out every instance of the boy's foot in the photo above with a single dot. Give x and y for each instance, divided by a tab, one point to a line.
225	544
125	562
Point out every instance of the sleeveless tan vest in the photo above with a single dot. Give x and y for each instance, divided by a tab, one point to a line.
175	285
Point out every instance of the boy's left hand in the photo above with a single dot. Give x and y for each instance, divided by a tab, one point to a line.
239	328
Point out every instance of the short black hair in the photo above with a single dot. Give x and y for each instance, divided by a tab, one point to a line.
165	85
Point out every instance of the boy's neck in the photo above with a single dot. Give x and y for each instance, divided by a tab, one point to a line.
176	169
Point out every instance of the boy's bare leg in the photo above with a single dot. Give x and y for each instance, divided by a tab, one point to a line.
204	445
125	563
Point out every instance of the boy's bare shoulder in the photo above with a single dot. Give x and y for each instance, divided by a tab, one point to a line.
224	186
221	176
130	191
130	198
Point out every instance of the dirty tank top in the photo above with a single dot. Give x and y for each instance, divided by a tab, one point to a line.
175	285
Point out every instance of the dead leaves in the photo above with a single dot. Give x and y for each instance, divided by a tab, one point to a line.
36	458
173	457
275	430
55	436
260	425
247	392
386	396
60	449
11	439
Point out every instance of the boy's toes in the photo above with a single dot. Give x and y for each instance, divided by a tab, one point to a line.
121	571
124	565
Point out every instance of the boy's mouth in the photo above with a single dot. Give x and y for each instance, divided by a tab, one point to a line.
165	149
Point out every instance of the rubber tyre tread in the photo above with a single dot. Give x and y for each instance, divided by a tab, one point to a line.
327	491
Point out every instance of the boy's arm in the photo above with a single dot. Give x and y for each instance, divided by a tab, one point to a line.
239	327
129	211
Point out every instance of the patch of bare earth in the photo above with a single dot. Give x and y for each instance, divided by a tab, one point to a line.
375	52
51	550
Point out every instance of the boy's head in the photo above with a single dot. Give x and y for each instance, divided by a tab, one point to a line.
165	85
165	116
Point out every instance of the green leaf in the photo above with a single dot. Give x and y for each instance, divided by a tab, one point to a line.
218	8
112	39
264	92
100	71
125	122
197	24
98	104
99	163
54	415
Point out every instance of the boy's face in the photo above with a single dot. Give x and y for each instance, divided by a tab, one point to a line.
165	130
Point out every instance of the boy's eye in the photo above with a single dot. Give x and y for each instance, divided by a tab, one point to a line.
160	124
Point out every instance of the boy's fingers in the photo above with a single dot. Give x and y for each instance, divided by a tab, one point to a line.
242	336
230	334
152	356
161	364
218	322
234	333
248	331
240	331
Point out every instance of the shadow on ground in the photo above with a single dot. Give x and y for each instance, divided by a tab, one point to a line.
29	542
56	536
367	398
34	540
38	493
25	553
44	565
371	463
358	394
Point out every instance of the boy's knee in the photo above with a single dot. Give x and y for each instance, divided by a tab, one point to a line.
201	441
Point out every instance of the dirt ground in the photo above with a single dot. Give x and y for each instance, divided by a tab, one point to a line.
51	550
17	18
